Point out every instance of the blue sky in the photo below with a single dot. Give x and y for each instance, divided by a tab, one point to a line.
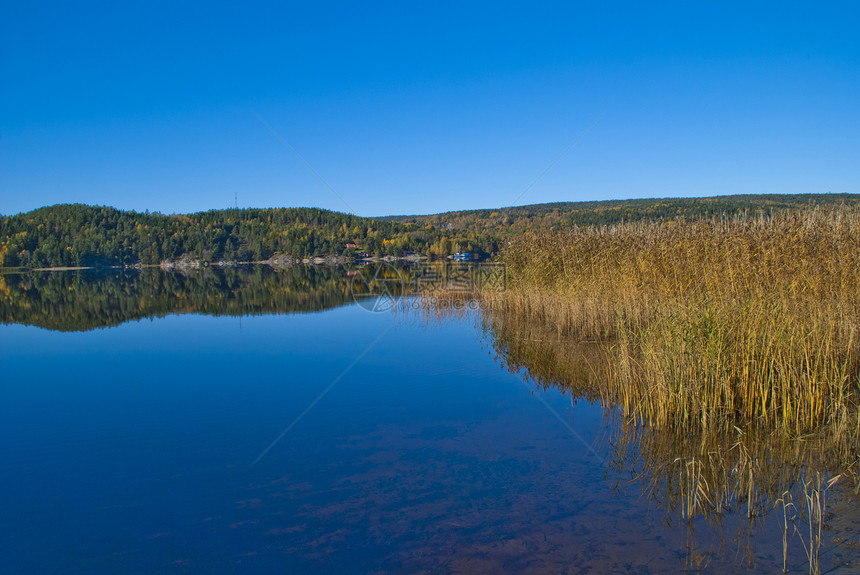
423	108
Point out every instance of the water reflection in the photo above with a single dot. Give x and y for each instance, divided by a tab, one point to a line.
436	466
729	485
89	299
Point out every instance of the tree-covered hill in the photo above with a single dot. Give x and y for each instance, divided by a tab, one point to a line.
495	224
80	235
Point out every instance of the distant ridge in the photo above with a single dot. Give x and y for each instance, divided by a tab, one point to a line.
503	222
69	235
749	201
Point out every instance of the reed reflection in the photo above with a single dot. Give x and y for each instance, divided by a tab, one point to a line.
721	484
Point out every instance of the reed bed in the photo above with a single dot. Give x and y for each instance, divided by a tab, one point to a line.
733	480
749	321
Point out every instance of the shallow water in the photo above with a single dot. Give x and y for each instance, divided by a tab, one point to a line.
339	441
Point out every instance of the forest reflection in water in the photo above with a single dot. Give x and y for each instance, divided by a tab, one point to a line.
720	489
88	299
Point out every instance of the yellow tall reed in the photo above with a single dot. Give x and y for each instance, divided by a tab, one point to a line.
711	323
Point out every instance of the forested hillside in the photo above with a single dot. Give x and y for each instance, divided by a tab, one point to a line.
80	235
491	226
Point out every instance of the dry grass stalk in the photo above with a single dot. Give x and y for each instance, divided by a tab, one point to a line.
713	323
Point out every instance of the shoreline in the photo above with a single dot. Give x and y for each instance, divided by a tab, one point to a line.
195	264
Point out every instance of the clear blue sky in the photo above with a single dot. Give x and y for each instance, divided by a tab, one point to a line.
418	108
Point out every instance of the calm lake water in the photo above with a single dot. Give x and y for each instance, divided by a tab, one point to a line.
188	438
